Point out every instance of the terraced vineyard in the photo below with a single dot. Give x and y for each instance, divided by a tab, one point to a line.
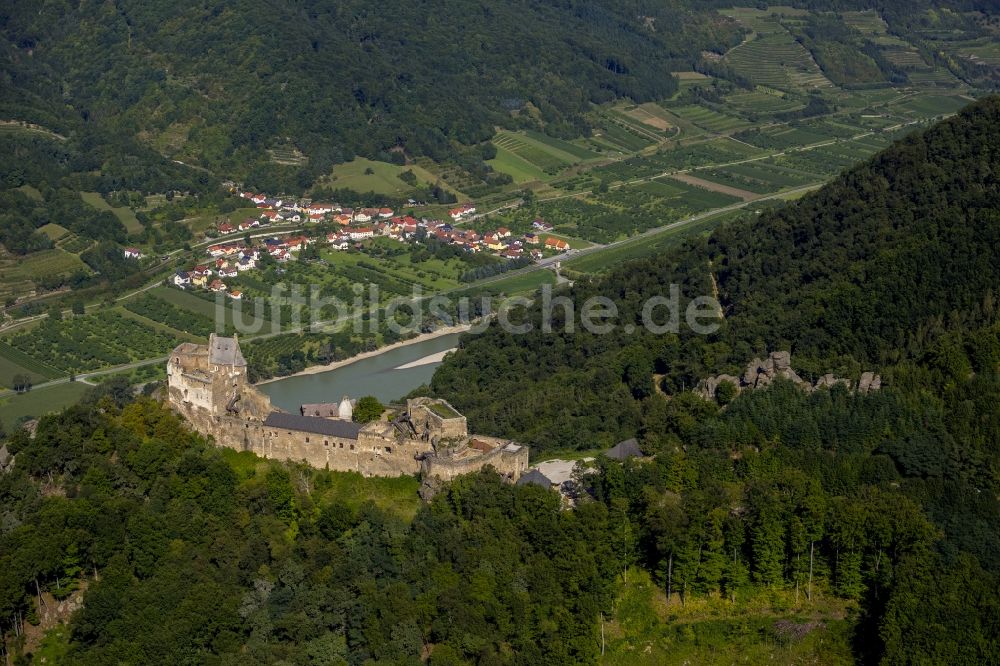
905	57
548	154
760	102
980	51
777	61
615	136
866	22
708	119
20	275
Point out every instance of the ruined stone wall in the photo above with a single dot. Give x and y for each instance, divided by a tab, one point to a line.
424	419
367	456
508	463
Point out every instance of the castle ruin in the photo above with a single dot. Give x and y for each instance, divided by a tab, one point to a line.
209	386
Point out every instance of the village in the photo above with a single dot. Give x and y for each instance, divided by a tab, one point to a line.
351	227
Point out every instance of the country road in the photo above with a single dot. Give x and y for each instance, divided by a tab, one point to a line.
544	264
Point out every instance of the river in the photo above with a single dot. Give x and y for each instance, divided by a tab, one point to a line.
376	375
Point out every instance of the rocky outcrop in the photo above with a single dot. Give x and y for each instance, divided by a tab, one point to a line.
761	373
708	386
778	365
829	381
430	486
6	459
869	382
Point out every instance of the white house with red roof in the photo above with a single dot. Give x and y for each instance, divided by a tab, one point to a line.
361	233
461	211
321	208
132	253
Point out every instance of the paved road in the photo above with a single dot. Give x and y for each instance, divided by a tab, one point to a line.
543	264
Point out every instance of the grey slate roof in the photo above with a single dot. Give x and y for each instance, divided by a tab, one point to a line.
324	409
628	448
313	424
225	351
534	477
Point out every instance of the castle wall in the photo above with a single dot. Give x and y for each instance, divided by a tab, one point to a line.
507	462
370	456
208	385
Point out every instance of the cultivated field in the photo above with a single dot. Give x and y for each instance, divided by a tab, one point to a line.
14	362
91	342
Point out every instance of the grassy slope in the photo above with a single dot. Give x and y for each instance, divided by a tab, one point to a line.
39	401
645	630
396	495
125	215
384	178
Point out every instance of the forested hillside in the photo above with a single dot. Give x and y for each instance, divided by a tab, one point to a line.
892	267
893	264
217	559
864	524
219	83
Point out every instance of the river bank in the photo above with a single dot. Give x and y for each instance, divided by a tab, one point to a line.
423	337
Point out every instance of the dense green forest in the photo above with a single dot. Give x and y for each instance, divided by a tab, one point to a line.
338	78
891	267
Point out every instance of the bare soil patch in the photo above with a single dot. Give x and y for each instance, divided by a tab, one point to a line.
716	187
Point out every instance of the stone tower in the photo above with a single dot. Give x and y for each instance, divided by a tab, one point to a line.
212	380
